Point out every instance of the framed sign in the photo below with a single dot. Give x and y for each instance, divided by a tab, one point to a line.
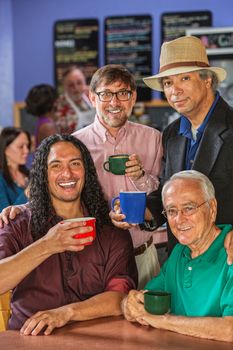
218	41
174	24
219	48
75	43
128	41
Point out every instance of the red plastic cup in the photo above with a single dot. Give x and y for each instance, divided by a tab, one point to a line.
89	222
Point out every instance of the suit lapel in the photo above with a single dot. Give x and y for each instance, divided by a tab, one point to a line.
176	156
211	141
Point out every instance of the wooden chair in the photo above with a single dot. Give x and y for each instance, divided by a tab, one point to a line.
4	310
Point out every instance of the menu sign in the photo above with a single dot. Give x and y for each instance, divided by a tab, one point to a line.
174	24
128	41
75	43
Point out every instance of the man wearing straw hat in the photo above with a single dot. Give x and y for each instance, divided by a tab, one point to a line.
202	137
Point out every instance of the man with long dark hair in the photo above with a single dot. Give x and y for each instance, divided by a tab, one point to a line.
47	268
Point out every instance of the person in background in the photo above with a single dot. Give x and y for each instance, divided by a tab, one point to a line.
40	103
59	279
113	94
73	108
196	273
14	176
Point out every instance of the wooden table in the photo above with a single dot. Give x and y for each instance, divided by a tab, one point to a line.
111	333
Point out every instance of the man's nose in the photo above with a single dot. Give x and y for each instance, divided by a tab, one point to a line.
75	88
114	100
176	89
26	149
66	171
180	216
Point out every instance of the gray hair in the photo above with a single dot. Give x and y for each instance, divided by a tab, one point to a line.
206	73
206	185
71	69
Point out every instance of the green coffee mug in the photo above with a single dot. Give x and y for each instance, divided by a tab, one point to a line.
157	302
116	164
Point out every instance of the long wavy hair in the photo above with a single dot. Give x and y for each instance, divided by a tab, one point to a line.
39	197
8	135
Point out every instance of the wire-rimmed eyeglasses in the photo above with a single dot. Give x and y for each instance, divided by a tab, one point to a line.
187	210
107	96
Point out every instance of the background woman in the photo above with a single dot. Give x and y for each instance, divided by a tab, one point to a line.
14	149
40	103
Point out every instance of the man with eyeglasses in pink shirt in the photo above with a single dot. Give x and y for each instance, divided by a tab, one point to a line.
113	94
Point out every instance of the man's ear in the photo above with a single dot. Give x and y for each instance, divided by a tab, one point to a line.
92	97
134	97
209	82
213	207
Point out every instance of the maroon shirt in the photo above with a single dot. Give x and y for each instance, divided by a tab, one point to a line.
108	264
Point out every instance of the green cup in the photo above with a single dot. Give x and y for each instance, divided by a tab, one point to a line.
157	302
116	164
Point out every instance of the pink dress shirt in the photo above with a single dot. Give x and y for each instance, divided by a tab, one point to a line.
131	138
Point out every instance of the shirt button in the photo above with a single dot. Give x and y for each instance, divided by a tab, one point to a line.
190	268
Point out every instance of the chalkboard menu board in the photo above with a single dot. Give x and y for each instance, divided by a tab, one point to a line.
174	24
128	41
76	43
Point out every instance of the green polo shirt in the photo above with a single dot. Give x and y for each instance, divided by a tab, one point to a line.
202	286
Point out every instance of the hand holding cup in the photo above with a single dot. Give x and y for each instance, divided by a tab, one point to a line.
116	164
132	205
89	221
60	238
157	302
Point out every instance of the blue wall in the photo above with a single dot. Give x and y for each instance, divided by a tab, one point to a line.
6	63
33	22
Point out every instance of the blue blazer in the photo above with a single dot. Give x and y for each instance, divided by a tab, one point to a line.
214	158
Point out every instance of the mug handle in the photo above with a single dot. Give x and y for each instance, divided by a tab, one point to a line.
104	165
113	202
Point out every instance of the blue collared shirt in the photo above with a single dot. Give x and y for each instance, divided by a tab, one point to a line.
186	131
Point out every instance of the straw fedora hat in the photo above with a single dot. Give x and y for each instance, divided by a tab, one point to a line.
185	54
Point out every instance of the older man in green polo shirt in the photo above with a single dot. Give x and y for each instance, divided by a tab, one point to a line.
196	274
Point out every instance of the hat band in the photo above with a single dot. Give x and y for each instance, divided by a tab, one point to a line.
183	64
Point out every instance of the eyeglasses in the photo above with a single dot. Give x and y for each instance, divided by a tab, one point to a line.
186	211
107	96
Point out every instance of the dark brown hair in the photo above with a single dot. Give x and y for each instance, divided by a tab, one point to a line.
7	136
110	74
40	99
